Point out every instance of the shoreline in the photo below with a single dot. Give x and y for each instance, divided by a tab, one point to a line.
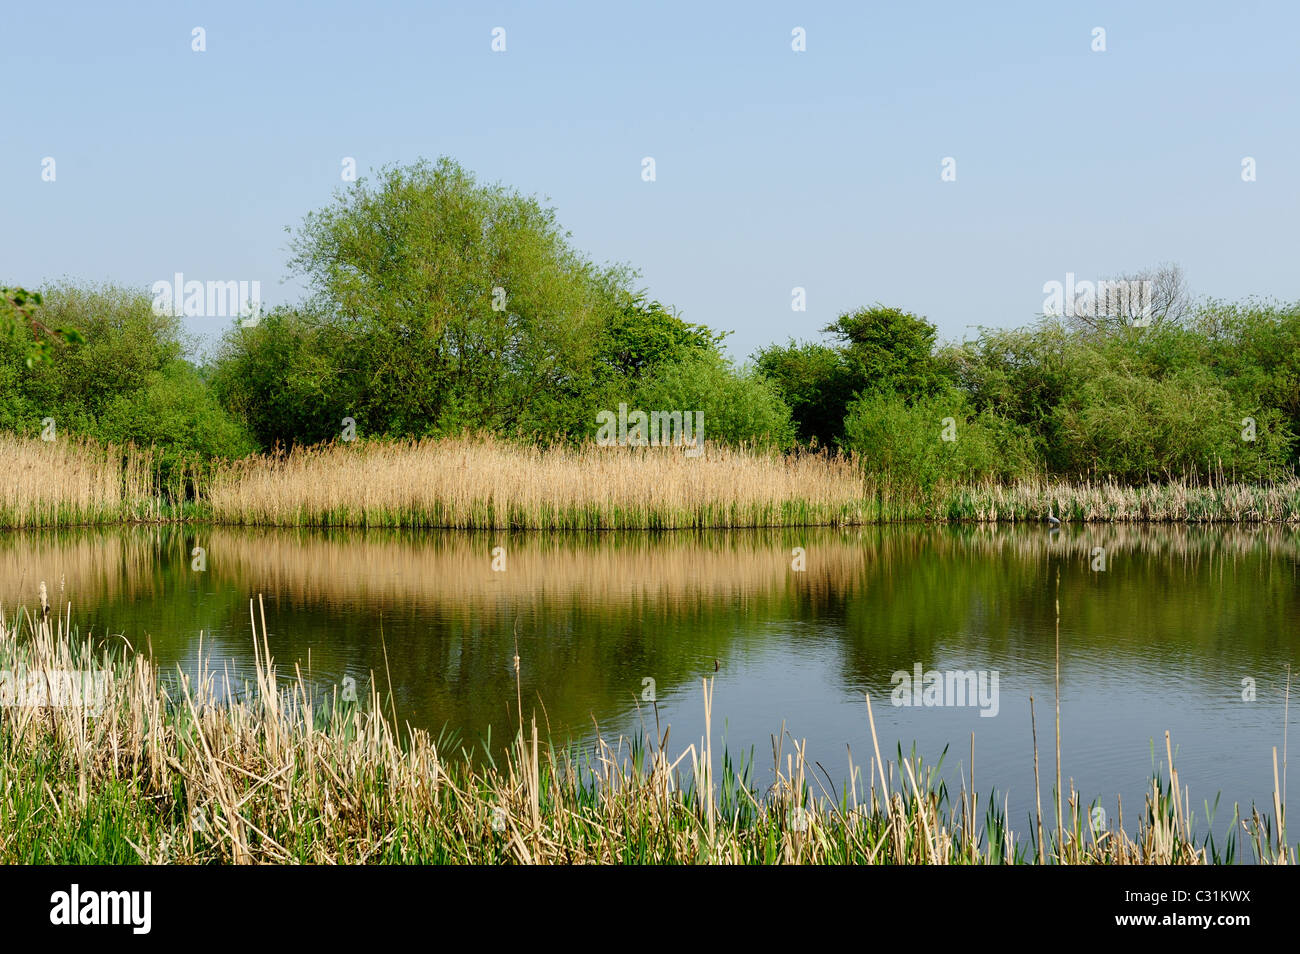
485	483
281	776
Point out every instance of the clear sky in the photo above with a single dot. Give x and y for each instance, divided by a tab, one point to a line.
774	168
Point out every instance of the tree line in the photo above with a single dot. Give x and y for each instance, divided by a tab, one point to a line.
439	304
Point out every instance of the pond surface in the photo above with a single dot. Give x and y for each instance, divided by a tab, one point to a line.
1159	639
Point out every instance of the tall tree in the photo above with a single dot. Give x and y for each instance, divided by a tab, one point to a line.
889	349
462	304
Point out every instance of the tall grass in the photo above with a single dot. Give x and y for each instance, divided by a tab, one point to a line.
1094	501
73	481
491	484
181	771
487	483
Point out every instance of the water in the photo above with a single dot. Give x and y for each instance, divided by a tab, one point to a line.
1159	640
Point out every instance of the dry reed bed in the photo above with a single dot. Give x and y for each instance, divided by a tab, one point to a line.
70	481
492	484
1108	502
174	776
488	483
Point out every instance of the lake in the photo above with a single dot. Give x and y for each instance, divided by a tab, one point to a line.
1160	628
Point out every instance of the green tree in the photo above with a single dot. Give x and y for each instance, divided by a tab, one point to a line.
643	335
292	378
1134	426
175	412
816	382
889	350
452	305
126	379
879	349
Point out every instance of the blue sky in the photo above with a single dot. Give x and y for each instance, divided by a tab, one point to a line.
775	169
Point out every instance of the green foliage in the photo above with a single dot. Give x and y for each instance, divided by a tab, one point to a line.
738	405
889	350
1019	374
1254	348
291	378
1142	403
1133	427
878	349
20	320
642	336
816	382
124	377
440	304
902	443
176	412
449	305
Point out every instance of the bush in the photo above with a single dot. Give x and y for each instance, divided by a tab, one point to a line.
903	445
739	405
290	378
177	413
880	349
1132	426
127	379
816	382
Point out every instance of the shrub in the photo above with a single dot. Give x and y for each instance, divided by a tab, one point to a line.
739	405
902	445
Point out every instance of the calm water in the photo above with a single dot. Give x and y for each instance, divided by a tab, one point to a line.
1161	639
